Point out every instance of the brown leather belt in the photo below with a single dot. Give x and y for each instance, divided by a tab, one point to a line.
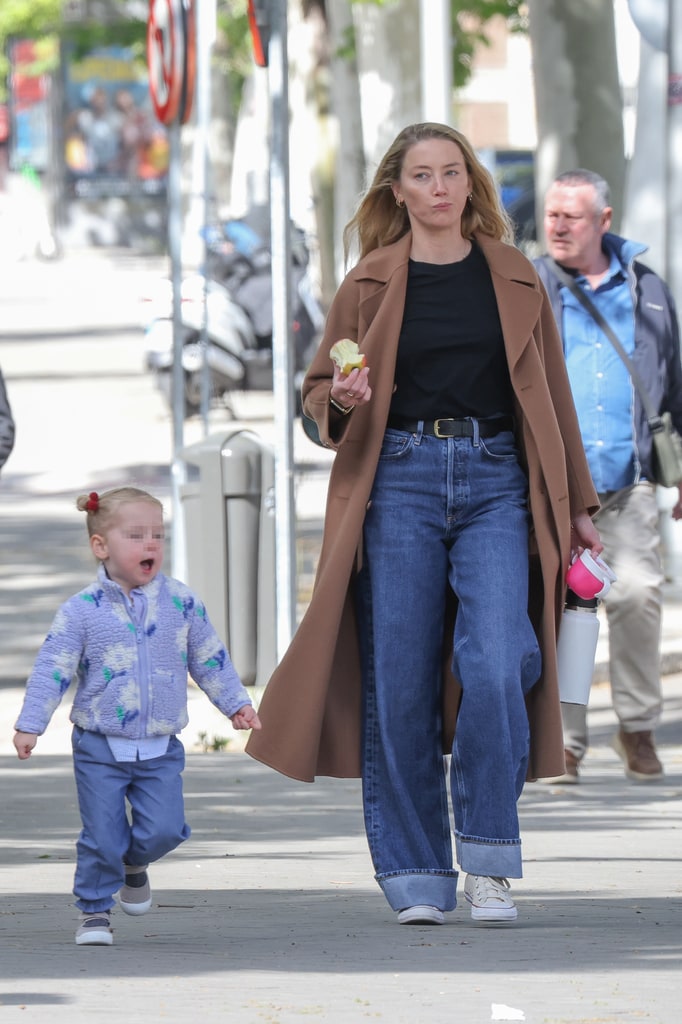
449	427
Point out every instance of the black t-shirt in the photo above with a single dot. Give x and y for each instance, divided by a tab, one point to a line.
451	357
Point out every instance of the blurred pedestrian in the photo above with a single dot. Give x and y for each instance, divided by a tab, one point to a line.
97	123
130	640
639	308
7	429
456	442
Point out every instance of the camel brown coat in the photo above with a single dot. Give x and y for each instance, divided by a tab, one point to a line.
311	708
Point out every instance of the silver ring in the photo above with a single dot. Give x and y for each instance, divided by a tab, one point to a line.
349	394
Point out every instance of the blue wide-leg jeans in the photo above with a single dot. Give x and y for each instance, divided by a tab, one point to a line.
445	512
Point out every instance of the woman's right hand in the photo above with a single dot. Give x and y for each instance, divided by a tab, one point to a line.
351	390
584	534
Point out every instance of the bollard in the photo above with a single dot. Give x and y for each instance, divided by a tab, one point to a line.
230	541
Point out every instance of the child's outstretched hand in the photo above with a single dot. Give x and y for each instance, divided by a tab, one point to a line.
24	743
245	718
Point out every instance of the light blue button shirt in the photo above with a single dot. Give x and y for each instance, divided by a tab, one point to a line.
602	389
145	749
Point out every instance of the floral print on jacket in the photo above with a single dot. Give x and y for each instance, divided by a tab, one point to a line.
131	667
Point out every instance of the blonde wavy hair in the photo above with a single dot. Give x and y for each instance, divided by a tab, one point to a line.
379	221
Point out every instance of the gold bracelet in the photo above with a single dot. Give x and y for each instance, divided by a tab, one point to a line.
344	410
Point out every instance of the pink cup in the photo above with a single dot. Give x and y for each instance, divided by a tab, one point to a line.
589	577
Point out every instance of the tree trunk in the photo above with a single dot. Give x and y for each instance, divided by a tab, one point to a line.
372	95
347	150
577	91
387	40
312	149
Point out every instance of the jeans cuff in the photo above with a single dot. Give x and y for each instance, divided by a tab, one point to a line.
437	888
496	860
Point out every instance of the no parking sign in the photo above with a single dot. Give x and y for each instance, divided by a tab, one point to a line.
171	56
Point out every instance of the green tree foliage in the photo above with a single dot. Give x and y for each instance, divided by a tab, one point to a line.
469	23
233	53
29	17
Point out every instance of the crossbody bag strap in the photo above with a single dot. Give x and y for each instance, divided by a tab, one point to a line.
653	418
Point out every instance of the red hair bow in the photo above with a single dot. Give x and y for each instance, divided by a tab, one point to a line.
92	504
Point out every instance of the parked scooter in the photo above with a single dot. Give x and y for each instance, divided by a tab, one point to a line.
226	318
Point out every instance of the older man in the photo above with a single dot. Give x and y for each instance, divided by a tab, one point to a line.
639	308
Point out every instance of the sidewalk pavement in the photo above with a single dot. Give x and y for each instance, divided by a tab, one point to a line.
269	914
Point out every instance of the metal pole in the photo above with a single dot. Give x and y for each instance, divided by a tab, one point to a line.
674	150
646	197
178	469
436	60
282	362
206	34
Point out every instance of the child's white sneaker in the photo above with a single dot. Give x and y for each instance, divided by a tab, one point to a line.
135	896
95	930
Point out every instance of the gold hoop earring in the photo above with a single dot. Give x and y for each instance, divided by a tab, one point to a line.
470	197
399	202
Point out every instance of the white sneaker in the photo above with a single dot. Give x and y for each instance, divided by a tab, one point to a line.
135	896
95	930
421	914
489	898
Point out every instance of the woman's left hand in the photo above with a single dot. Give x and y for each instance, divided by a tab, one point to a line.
584	534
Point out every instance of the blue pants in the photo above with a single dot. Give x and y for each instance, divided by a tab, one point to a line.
445	512
152	788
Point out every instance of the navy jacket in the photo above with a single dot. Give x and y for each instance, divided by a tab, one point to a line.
657	337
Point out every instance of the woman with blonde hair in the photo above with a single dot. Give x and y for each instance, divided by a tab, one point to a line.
458	491
380	220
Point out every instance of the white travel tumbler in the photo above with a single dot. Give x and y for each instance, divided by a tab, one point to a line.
577	648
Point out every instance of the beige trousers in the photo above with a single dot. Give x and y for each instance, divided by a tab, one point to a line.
630	535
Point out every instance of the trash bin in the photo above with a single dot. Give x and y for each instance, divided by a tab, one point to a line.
229	517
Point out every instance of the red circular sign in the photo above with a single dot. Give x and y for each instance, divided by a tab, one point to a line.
166	57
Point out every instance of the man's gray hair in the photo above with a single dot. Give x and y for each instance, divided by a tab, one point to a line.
580	176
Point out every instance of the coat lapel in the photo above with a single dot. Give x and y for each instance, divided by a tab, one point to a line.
383	285
518	300
384	272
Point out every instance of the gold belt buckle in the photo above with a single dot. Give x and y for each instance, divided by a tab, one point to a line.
436	426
